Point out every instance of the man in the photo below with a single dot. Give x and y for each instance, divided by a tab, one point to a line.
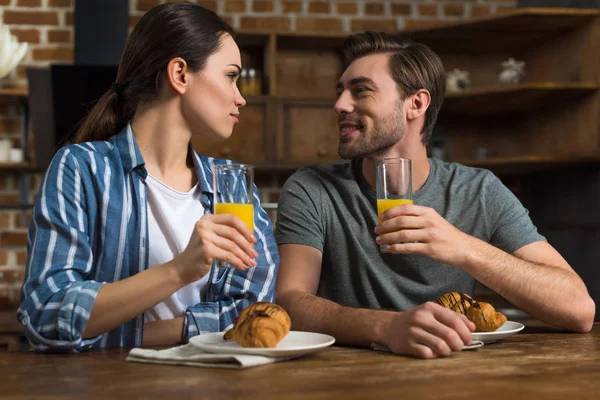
465	225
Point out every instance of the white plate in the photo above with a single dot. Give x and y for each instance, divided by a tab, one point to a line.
294	344
509	328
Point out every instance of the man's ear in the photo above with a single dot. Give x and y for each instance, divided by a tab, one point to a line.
177	74
417	104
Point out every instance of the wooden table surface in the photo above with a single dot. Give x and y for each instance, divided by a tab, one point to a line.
537	363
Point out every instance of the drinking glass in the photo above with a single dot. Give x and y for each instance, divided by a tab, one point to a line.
233	186
394	186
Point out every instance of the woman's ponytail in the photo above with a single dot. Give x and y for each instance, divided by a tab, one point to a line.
108	117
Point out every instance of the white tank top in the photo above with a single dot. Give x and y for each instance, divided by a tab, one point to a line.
171	218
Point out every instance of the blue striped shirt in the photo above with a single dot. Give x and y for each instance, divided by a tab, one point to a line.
90	227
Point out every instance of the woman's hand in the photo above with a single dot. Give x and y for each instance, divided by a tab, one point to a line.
216	237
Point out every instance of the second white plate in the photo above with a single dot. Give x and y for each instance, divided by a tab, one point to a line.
509	328
294	344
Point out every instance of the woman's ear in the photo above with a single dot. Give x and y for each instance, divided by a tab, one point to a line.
418	104
177	75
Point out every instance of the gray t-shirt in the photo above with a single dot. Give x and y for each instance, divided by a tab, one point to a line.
333	209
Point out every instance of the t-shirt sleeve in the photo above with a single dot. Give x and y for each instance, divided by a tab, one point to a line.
508	220
299	212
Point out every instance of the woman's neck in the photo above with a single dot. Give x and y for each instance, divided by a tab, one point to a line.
163	140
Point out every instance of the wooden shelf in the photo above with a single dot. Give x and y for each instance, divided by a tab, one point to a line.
518	164
10	95
7	167
510	31
277	169
508	99
531	163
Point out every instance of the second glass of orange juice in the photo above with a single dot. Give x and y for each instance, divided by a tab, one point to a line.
233	186
394	186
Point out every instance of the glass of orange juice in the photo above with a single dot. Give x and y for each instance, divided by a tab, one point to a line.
233	186
394	186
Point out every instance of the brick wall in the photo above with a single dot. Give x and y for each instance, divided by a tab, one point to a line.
47	25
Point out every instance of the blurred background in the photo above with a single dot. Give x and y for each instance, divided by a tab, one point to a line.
523	100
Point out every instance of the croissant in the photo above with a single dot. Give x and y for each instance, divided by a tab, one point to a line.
483	315
485	318
260	325
458	302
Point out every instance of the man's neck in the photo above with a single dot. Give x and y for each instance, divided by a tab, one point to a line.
420	167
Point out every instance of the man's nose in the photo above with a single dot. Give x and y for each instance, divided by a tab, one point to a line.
344	104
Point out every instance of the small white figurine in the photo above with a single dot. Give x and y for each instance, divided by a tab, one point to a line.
457	80
512	71
11	51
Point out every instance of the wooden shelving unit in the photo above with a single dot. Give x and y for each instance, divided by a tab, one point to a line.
550	120
530	163
519	28
522	98
17	167
10	95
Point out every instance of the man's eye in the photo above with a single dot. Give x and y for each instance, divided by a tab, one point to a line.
359	89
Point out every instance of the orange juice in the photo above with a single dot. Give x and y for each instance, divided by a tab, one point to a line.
385	204
245	212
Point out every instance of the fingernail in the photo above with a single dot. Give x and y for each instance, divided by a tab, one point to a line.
377	229
254	253
252	238
378	239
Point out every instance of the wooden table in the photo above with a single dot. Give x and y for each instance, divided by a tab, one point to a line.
536	363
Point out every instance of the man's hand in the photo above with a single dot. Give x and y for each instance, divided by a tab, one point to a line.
428	331
410	229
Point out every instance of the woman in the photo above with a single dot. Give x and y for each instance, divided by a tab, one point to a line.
122	241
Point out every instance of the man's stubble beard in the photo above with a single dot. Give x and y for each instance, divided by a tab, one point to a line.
387	131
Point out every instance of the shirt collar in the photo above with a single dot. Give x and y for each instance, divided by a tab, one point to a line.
131	158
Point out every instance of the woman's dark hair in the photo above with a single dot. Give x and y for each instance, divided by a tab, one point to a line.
413	66
165	32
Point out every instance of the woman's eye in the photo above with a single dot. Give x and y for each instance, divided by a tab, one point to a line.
233	76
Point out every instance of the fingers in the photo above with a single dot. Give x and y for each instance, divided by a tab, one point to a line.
232	259
444	324
411	247
400	222
234	222
459	323
234	236
233	251
435	331
405	209
436	345
226	238
455	328
403	236
229	227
